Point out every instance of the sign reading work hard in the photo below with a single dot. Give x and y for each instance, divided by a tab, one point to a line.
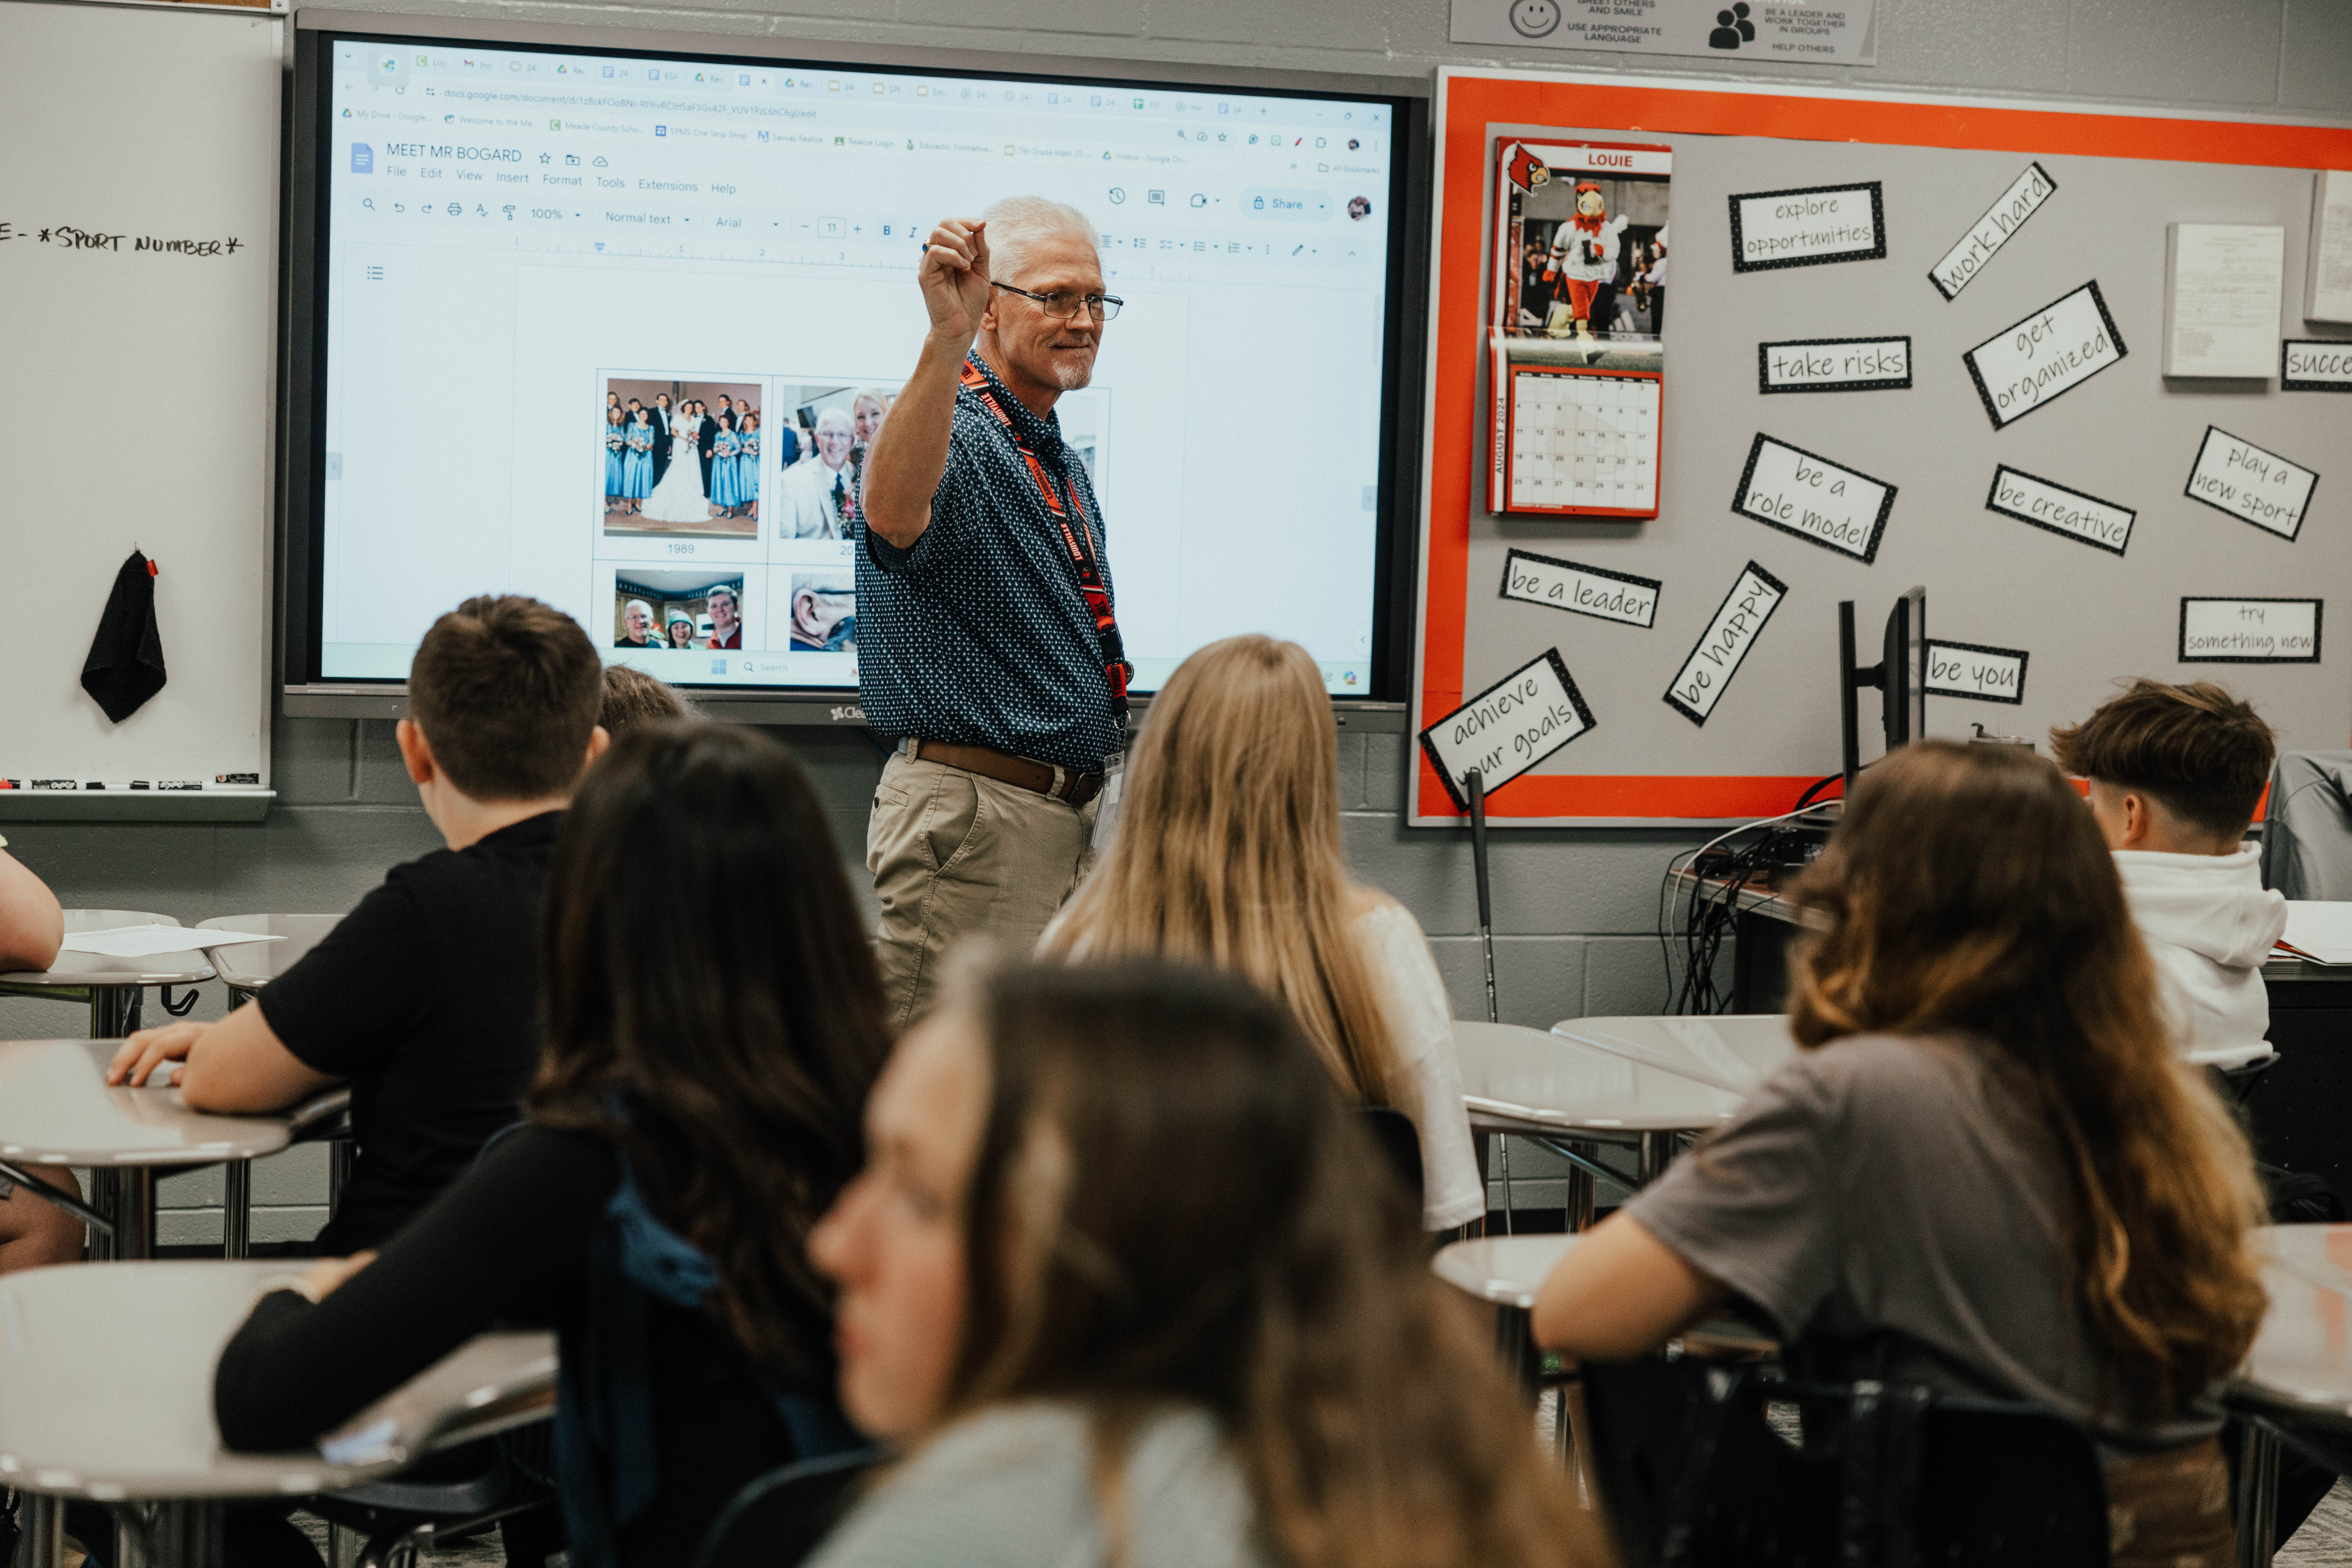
1508	727
1807	227
1834	364
2046	355
2257	487
1962	264
1706	674
2070	514
1559	585
2250	631
1797	492
1966	669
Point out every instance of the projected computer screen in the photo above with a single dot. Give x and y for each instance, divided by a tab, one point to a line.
615	331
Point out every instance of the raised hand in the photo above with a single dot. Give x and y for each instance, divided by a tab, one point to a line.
954	278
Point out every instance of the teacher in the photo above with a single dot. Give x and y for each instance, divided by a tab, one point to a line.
987	644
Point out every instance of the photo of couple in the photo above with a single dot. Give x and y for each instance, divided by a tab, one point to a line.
681	456
665	611
824	467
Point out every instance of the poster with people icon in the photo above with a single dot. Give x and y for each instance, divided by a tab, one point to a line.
1577	327
1846	35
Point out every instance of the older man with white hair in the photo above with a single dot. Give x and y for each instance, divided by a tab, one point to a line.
822	495
988	647
637	619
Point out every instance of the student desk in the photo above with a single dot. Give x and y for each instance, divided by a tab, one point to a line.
1569	1096
2297	1381
56	1109
1730	1051
248	966
106	1382
112	986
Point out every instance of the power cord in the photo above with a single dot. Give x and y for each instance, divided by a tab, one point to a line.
1715	904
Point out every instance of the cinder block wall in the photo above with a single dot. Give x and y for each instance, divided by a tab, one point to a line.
1575	911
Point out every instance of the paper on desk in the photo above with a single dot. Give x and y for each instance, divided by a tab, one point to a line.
144	942
2319	932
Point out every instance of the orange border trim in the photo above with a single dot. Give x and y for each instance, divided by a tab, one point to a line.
1470	103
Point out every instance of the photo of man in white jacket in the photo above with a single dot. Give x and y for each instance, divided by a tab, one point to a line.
2176	773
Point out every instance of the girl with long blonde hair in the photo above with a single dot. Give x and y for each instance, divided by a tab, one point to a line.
1228	854
1985	1171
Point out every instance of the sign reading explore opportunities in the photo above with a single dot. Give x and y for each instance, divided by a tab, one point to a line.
1508	727
1807	227
2046	355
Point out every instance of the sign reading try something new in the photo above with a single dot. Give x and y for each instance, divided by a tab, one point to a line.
1843	35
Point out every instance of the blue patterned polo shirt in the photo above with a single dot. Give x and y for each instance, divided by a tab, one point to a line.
979	635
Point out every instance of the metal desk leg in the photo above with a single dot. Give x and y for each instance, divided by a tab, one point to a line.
125	1194
2258	1480
113	1011
103	1199
1514	1343
1583	1192
1657	1154
237	1209
42	1521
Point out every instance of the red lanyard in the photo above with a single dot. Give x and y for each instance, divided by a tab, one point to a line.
1078	544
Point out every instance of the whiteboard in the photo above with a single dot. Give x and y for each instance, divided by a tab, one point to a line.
2084	616
140	350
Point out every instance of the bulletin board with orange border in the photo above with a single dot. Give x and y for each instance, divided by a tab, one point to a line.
2088	616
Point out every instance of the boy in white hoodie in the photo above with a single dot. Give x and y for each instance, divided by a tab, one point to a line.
2176	772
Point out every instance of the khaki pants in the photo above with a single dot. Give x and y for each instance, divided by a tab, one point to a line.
956	855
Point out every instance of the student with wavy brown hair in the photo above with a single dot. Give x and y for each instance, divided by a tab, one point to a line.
1228	854
695	1109
1986	1172
1130	1284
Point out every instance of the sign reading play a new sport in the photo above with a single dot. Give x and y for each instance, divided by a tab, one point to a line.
1798	492
1807	227
1508	727
2046	355
2257	487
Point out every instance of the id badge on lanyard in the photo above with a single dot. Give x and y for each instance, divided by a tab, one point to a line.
1109	802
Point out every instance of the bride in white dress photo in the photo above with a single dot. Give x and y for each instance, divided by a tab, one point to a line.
679	498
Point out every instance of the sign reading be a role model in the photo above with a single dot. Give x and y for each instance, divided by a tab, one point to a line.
1841	34
1508	727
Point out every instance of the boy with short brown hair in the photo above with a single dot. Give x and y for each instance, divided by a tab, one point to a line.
2176	774
423	999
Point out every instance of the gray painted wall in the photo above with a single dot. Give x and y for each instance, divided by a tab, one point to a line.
1575	911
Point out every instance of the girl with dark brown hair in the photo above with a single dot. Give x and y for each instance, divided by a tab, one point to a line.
1986	1173
697	1108
1133	1288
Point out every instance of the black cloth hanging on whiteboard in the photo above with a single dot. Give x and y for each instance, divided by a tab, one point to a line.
126	658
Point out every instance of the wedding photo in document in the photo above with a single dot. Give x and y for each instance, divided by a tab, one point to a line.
725	289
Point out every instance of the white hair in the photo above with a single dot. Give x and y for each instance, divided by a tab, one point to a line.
840	415
638	605
1016	224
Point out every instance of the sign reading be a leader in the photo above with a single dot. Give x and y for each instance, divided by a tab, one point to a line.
1508	727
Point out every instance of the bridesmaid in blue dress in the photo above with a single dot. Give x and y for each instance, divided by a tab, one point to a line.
726	469
751	460
637	468
615	440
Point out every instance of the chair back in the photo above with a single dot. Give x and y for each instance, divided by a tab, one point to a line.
1705	1465
779	1519
1399	1142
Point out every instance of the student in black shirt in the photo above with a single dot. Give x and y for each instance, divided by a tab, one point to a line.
422	998
697	1108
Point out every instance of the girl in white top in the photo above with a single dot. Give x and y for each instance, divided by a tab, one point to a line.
1228	854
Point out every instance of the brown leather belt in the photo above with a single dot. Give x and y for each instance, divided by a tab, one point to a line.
1045	778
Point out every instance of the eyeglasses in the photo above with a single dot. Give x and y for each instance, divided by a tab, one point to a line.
1061	307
